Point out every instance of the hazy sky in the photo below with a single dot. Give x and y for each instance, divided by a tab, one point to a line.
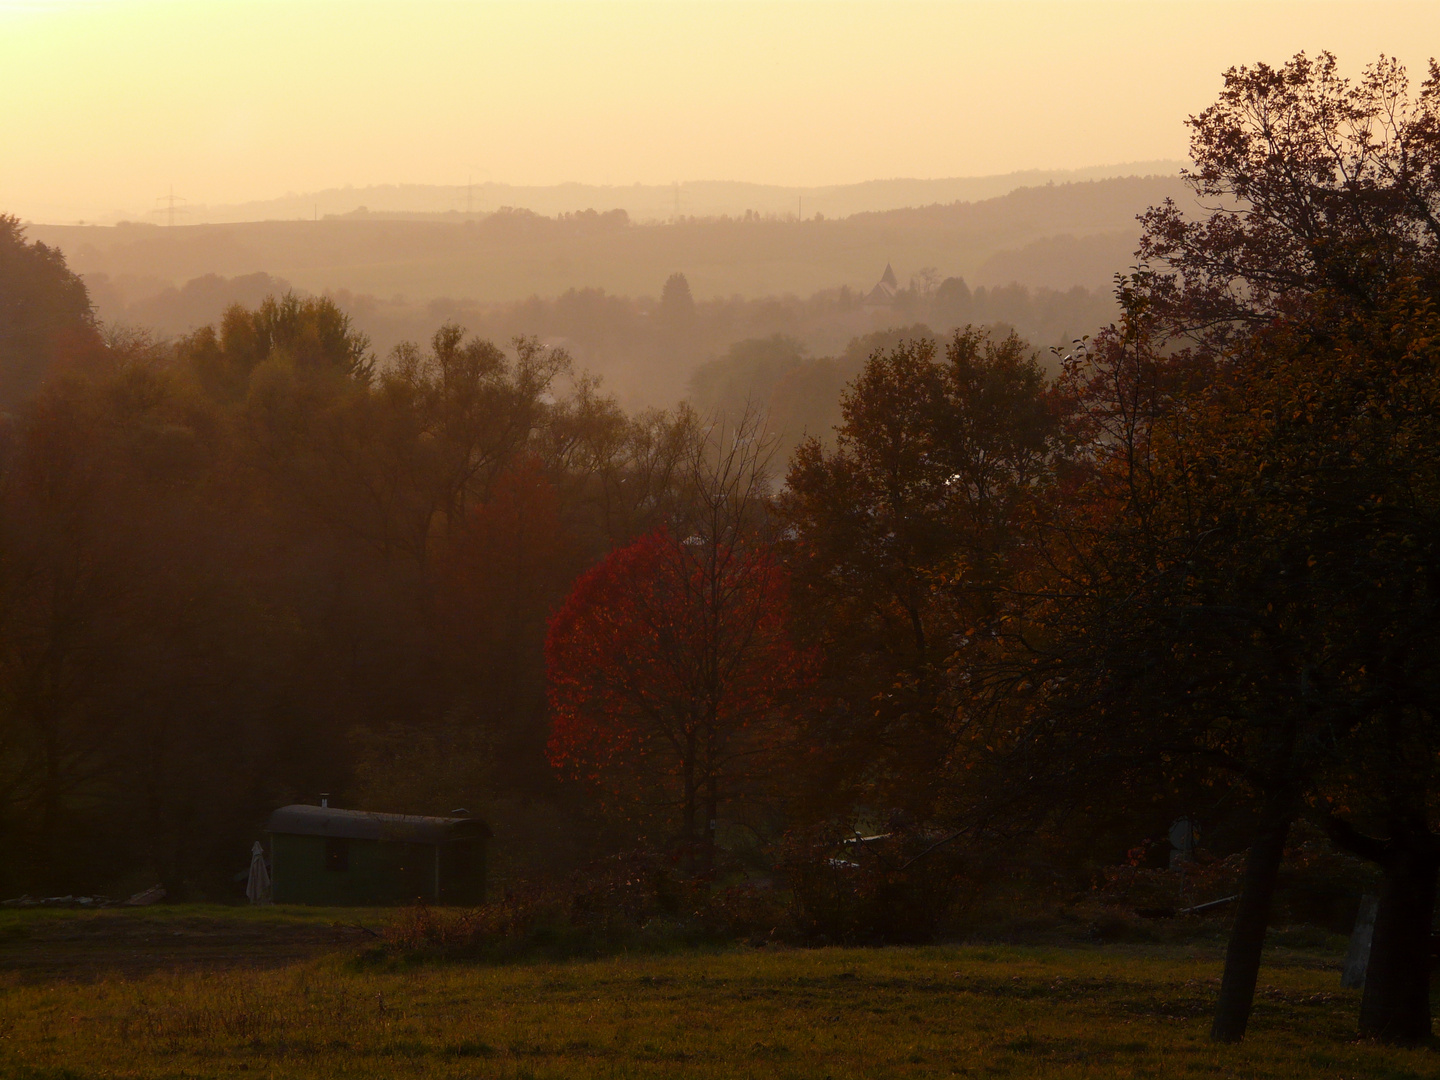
104	104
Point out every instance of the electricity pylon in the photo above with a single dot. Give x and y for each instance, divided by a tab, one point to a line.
170	206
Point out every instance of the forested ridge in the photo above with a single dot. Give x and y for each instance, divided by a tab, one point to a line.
1036	259
514	253
1015	613
648	350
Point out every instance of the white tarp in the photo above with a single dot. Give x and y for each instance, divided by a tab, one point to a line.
258	887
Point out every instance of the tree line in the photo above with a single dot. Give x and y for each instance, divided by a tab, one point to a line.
647	348
255	564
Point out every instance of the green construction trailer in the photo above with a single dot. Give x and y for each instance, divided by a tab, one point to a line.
324	855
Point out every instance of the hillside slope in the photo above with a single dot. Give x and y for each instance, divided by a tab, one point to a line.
513	255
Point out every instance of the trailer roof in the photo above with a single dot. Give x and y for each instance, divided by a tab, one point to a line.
301	819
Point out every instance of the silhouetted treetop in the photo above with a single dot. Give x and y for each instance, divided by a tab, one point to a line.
675	298
42	304
310	335
1316	182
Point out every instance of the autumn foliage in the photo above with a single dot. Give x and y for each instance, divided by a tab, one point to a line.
673	680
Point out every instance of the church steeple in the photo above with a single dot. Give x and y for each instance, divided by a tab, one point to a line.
883	294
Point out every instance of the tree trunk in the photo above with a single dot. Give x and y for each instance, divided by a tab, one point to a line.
712	784
1396	1003
688	825
712	811
50	804
918	628
1252	916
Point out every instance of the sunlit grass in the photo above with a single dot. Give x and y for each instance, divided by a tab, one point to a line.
971	1011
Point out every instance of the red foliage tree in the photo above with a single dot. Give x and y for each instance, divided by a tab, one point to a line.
673	678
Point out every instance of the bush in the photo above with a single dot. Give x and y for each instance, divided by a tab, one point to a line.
636	900
1317	885
902	887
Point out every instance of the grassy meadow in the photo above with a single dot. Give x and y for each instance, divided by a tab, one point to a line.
1119	1010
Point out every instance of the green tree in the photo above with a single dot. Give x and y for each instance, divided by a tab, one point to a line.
1330	193
1240	576
309	336
904	531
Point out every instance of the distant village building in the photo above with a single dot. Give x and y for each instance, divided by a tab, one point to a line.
323	855
883	294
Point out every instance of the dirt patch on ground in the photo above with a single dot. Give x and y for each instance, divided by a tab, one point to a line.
104	944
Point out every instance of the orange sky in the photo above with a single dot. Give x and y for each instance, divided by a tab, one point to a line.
106	103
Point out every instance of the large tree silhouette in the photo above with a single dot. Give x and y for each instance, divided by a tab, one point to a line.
1270	456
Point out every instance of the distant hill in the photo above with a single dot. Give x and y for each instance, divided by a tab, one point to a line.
751	277
660	202
1064	261
1058	235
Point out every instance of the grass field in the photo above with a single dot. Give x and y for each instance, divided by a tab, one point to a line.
1083	1011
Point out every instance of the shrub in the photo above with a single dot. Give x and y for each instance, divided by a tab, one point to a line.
634	900
901	887
1317	885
